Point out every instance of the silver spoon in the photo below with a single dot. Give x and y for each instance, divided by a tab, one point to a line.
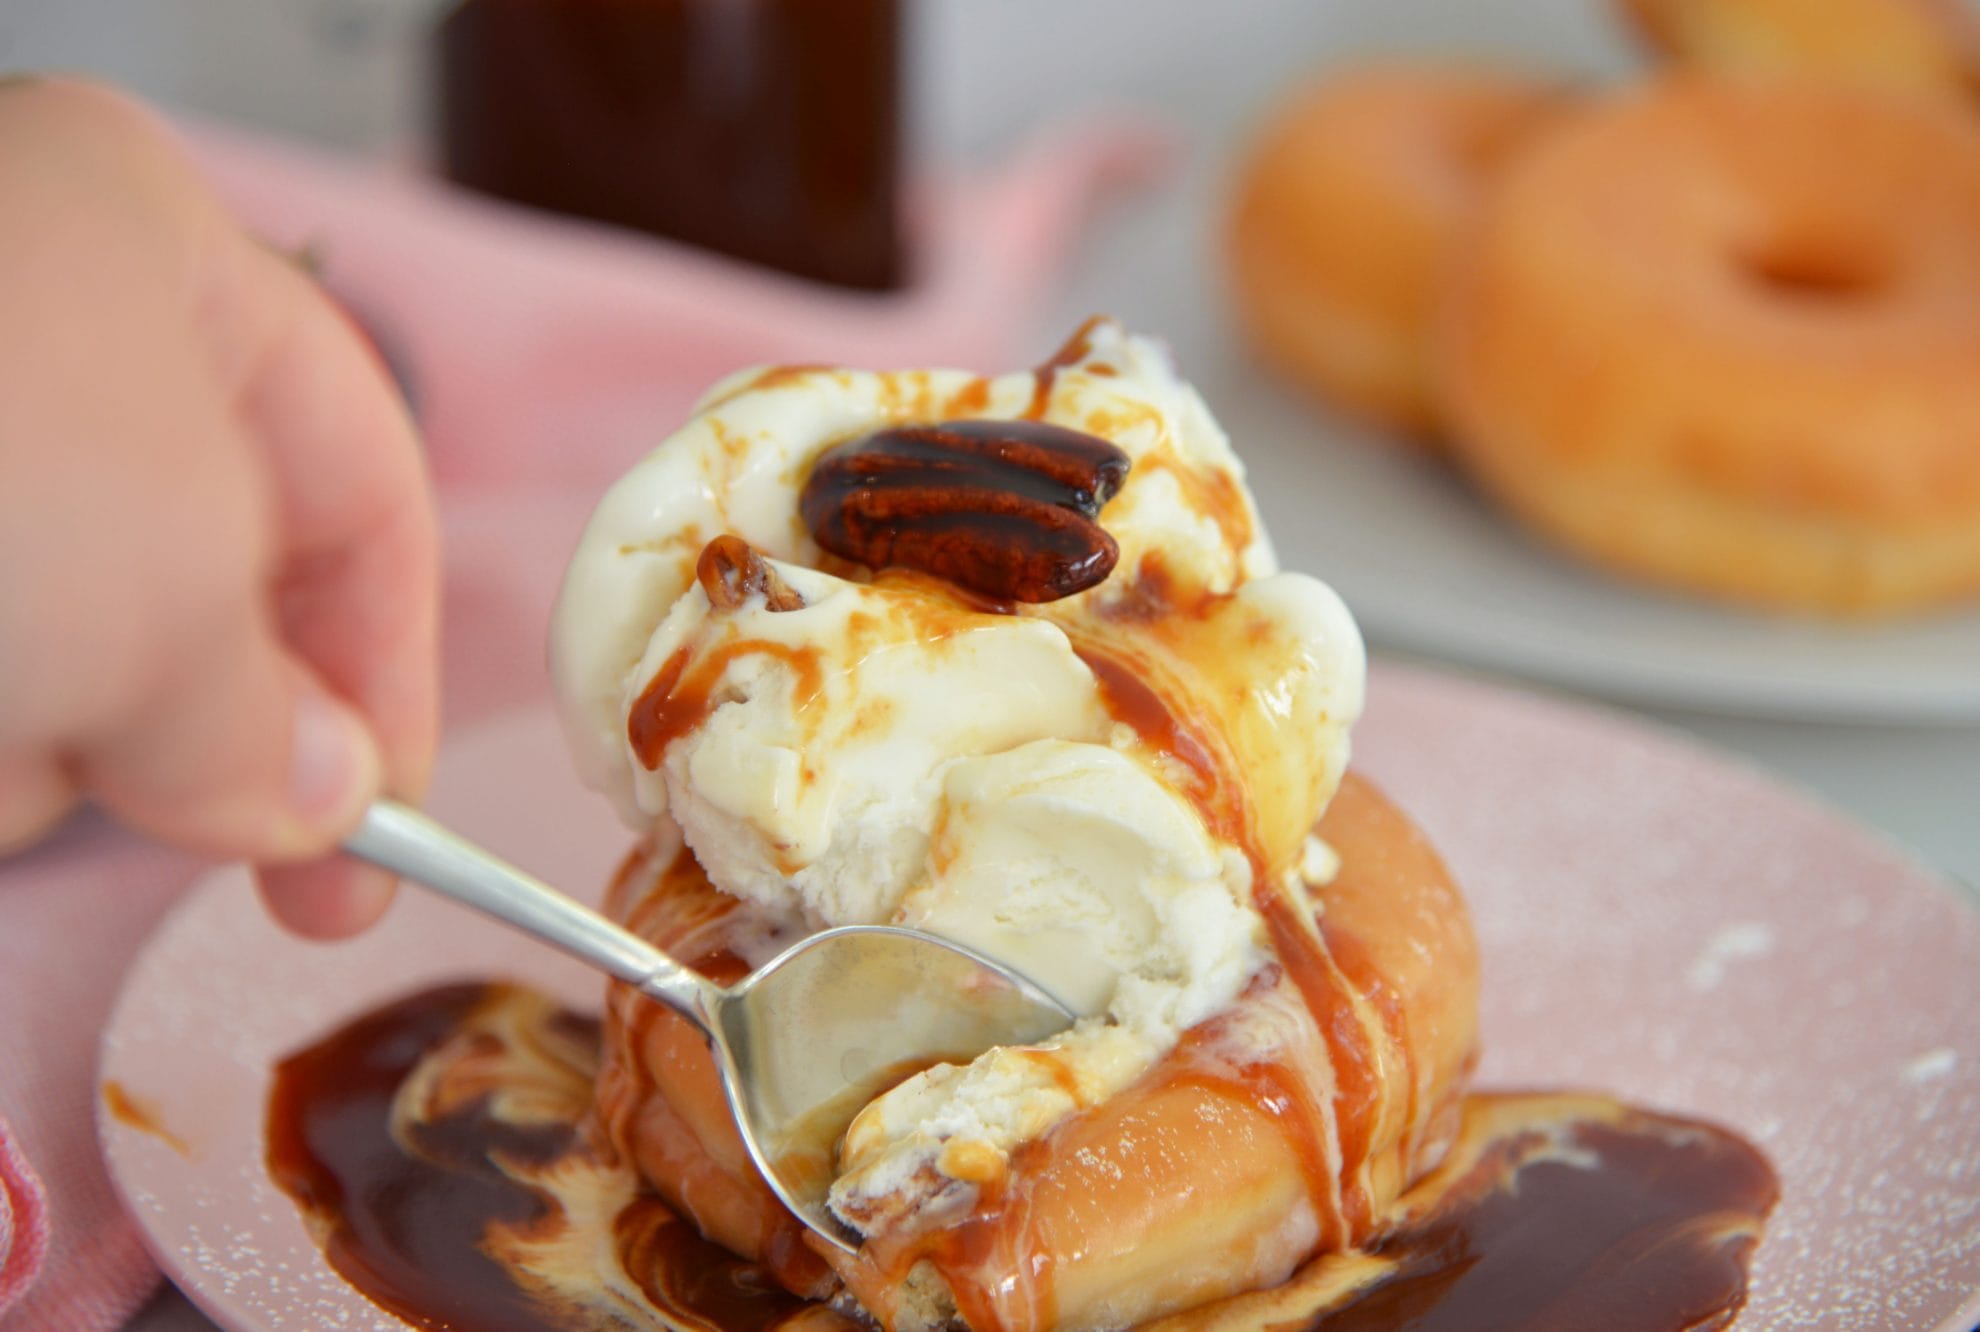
801	1043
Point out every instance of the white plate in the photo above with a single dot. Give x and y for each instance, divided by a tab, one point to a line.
1427	565
1654	922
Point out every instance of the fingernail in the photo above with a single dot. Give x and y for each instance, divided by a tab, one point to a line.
331	761
325	899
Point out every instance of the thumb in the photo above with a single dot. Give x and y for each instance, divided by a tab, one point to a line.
333	769
239	751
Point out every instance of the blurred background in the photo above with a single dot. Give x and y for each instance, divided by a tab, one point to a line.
354	73
1880	720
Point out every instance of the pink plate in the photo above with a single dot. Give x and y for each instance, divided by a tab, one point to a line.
1655	922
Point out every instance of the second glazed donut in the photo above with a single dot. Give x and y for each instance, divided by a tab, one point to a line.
1726	335
1346	215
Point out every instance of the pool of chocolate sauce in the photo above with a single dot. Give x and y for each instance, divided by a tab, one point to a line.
404	1216
1562	1212
1639	1226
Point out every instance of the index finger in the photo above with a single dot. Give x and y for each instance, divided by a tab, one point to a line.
357	559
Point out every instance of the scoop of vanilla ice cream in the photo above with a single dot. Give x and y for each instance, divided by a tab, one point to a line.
1078	859
880	755
1089	790
814	783
738	464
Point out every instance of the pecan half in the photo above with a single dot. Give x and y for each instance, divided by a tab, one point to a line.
731	572
1005	509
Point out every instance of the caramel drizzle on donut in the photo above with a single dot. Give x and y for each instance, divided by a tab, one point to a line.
1273	1089
1329	967
998	1269
682	910
1334	977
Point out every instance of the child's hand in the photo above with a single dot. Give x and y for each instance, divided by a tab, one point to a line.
217	562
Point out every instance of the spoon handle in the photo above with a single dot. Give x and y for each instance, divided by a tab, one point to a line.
401	839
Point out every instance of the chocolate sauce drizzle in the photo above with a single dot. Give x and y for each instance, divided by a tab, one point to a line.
1562	1213
407	1220
1640	1226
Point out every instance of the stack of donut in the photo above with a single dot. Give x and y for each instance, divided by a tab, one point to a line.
1720	330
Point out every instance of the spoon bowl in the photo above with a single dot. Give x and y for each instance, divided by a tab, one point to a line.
802	1043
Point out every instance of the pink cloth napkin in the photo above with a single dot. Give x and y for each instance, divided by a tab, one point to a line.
545	356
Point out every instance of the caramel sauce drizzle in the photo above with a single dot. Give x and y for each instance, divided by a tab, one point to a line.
675	701
1046	374
1275	1091
1057	1069
1331	972
777	376
1130	699
675	902
998	1271
133	1111
1331	999
939	608
970	400
1149	597
1350	955
1211	492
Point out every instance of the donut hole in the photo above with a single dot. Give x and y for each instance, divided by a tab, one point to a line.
1815	272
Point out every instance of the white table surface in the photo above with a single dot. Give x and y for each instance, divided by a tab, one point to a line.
341	70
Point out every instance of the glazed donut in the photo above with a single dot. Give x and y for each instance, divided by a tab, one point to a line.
1923	45
1726	336
1346	213
1125	1228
